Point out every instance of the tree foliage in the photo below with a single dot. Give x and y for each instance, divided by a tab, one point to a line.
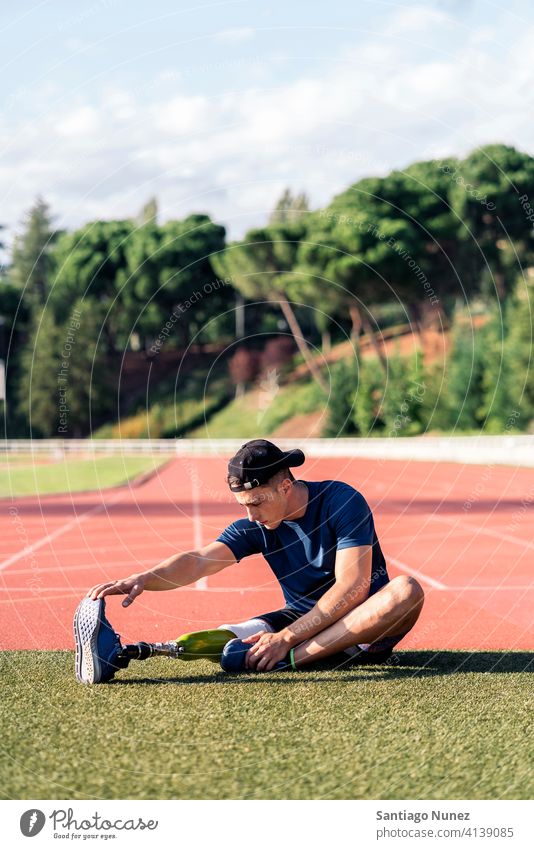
31	257
423	245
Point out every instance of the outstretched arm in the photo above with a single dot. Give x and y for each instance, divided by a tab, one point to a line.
177	571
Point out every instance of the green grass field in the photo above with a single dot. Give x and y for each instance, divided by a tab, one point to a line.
30	478
447	725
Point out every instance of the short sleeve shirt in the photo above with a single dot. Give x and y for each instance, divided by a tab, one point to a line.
302	553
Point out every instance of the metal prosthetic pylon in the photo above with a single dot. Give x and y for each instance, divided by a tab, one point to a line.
197	645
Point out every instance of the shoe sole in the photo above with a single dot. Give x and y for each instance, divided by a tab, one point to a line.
86	628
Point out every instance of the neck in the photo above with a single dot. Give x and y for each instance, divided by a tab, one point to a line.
298	501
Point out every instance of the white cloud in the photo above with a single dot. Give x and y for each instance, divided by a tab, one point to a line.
182	115
416	19
80	121
234	36
376	108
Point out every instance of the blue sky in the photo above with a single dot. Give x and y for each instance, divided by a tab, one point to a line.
217	107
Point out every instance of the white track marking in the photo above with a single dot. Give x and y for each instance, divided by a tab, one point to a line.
437	585
29	549
514	588
416	537
75	592
108	549
443	588
191	587
202	583
60	570
482	530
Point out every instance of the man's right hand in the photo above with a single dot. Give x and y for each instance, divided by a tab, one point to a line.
131	587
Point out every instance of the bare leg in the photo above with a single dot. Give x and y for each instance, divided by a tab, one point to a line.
391	611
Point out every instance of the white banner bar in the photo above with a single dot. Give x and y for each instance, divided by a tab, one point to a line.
258	824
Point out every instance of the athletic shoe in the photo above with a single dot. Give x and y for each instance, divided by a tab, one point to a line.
234	654
97	644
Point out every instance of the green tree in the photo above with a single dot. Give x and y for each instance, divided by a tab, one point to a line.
311	284
489	190
343	383
464	396
186	277
67	387
401	407
435	410
396	239
367	399
149	212
38	397
142	275
14	317
516	406
290	208
507	403
85	375
31	264
261	268
86	264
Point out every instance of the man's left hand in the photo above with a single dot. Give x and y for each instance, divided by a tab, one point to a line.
267	649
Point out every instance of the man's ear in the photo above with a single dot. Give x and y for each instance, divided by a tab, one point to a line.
286	486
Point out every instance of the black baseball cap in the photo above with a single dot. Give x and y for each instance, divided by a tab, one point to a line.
257	461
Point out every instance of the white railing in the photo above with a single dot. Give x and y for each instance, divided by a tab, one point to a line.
508	450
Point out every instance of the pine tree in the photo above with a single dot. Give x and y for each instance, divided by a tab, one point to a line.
289	208
90	387
31	260
38	397
149	212
66	389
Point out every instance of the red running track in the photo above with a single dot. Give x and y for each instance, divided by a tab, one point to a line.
465	531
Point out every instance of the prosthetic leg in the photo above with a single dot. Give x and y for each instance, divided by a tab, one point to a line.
206	645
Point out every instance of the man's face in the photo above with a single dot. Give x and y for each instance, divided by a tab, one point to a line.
266	504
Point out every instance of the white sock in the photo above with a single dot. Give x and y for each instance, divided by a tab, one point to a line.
246	629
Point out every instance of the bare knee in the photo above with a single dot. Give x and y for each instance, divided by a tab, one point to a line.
408	591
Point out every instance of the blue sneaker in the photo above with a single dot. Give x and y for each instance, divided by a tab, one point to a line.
234	654
97	644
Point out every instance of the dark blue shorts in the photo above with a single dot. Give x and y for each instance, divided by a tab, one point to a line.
376	652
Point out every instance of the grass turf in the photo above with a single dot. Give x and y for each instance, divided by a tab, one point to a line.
428	726
73	475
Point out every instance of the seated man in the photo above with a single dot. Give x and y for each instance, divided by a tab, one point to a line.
319	540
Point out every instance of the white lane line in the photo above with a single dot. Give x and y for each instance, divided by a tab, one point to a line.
29	549
415	537
41	596
513	587
437	585
483	530
116	549
94	566
485	588
202	583
190	587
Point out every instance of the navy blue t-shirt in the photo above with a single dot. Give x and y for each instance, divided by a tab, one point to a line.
302	553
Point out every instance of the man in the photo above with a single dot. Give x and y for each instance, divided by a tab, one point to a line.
319	540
